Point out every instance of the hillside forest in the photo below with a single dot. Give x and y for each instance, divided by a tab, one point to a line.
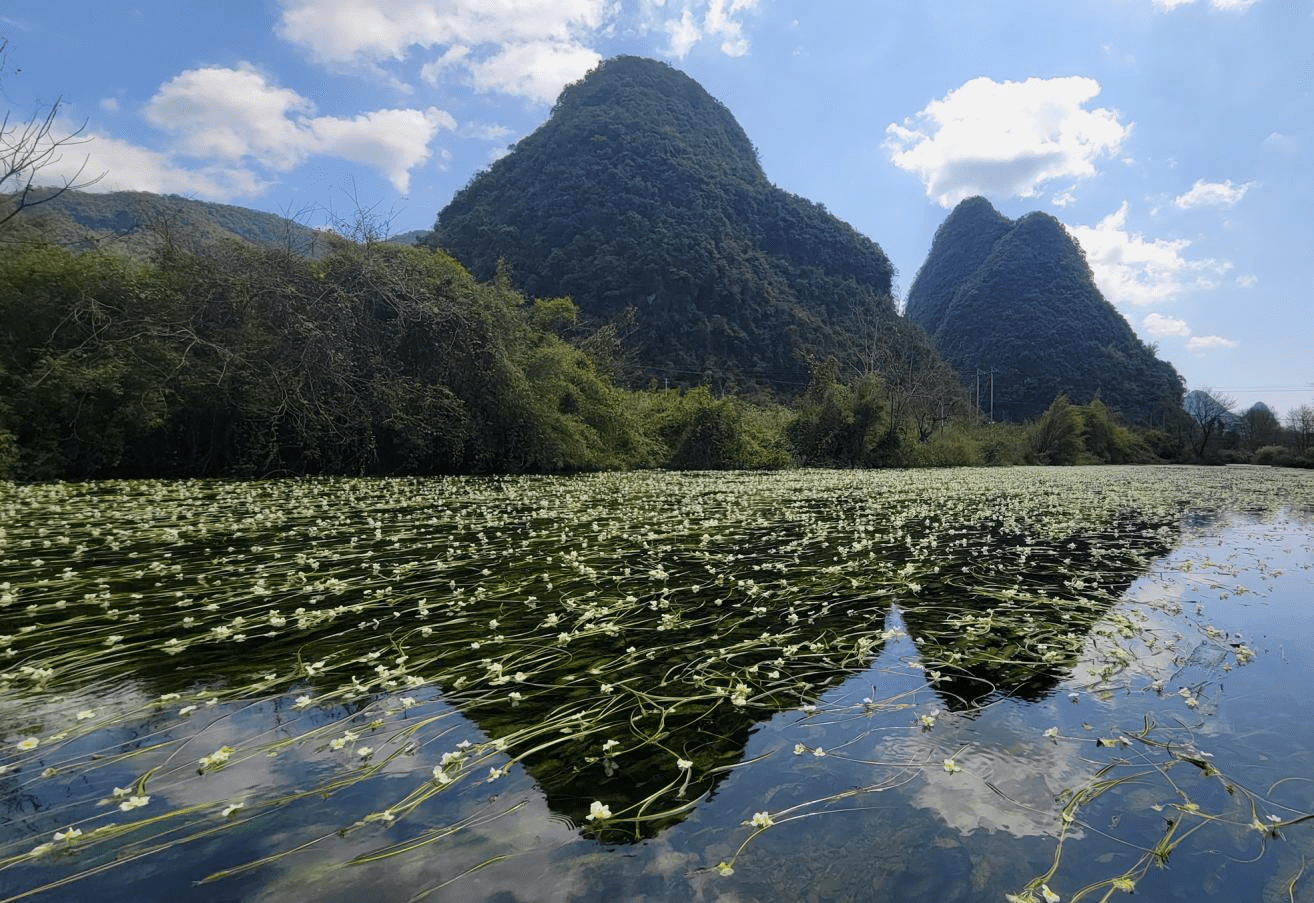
227	358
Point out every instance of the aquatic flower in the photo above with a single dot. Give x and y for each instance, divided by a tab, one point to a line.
364	751
928	721
28	745
408	702
302	702
951	766
186	710
761	820
725	868
683	764
216	759
799	749
1049	895
819	752
1051	733
69	835
514	697
610	745
495	773
598	811
230	809
441	776
134	802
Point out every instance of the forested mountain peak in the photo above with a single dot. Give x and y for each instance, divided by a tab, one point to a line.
961	244
642	199
1016	301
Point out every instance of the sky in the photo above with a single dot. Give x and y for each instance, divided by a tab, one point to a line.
1173	138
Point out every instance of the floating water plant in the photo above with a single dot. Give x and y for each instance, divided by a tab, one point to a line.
260	688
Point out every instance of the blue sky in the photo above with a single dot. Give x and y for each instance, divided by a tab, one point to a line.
1174	138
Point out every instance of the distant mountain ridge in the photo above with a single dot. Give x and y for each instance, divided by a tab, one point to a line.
1013	302
142	220
642	192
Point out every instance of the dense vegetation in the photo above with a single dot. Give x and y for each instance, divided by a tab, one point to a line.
642	199
381	359
1016	302
135	223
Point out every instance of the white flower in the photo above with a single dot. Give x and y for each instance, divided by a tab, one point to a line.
68	835
725	868
134	802
28	745
1051	733
598	811
819	752
229	810
951	766
761	820
216	759
364	751
441	776
683	764
303	701
1049	895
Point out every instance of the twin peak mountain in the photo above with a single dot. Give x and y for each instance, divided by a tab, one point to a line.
643	200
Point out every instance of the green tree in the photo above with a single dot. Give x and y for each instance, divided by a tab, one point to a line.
1056	438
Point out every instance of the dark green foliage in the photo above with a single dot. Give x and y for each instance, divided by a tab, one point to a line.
693	430
1016	301
1057	437
641	197
136	223
839	425
377	358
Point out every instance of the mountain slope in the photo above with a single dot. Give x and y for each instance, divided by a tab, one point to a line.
642	192
1028	316
139	221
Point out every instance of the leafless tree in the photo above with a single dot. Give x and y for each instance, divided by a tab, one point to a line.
27	146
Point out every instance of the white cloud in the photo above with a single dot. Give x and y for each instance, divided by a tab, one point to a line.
1214	194
1131	269
126	166
1005	139
1160	326
230	114
1209	342
1249	280
344	31
1239	6
236	116
527	48
392	141
537	70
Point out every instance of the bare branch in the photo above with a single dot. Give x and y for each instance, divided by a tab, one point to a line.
29	146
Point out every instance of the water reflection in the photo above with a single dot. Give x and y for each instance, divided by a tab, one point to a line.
652	644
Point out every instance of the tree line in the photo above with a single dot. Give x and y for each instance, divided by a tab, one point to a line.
377	358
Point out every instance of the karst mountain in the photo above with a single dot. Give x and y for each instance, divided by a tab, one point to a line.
1014	308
